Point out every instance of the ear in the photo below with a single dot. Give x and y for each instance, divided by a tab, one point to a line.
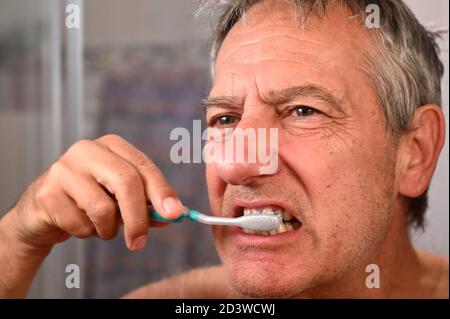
419	150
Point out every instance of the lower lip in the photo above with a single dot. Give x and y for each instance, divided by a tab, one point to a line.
240	238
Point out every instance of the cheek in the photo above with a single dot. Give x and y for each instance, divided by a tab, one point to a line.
216	188
348	187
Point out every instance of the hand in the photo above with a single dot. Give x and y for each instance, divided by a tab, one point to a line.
75	196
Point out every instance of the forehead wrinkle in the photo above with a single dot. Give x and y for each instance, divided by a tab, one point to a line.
295	41
293	33
237	62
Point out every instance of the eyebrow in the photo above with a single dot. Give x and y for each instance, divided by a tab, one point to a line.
277	97
229	102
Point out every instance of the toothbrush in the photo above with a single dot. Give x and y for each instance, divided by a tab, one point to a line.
259	222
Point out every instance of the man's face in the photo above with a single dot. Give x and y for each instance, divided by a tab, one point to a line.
335	162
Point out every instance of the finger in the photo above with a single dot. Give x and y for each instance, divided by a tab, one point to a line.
97	206
158	191
67	216
123	181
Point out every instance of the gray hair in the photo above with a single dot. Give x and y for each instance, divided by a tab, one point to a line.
405	70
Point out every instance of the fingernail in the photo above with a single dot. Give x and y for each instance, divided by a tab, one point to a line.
173	206
139	242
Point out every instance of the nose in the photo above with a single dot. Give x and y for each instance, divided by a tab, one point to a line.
238	173
254	154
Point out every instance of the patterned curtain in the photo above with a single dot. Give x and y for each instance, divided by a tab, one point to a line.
142	94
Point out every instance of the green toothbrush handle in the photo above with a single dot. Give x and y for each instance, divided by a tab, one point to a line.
190	214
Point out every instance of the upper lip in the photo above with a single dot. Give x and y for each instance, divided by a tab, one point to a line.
240	204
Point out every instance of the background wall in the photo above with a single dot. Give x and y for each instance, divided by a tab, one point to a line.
434	15
144	71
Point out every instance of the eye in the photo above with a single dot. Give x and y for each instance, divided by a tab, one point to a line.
226	120
223	120
303	111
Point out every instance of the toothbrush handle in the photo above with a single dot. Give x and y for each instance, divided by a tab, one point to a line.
154	215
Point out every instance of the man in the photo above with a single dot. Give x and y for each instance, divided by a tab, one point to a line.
360	130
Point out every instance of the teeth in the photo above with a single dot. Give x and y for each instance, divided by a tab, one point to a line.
288	226
289	222
281	228
268	211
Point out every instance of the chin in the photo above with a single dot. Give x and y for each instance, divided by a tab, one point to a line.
278	266
260	284
264	279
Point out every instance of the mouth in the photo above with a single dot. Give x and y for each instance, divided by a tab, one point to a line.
289	222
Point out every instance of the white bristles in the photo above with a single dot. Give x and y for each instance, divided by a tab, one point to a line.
260	222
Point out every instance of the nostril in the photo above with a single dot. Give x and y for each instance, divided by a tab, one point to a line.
238	173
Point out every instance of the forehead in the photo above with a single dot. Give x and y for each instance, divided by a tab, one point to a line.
270	50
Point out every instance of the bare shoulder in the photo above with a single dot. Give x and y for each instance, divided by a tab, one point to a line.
437	268
207	282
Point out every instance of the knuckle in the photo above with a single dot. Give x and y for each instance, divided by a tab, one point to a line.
80	147
164	190
145	164
111	138
136	224
127	180
57	169
110	234
101	210
45	195
139	222
85	230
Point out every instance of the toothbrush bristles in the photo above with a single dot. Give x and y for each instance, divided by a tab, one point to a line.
261	222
